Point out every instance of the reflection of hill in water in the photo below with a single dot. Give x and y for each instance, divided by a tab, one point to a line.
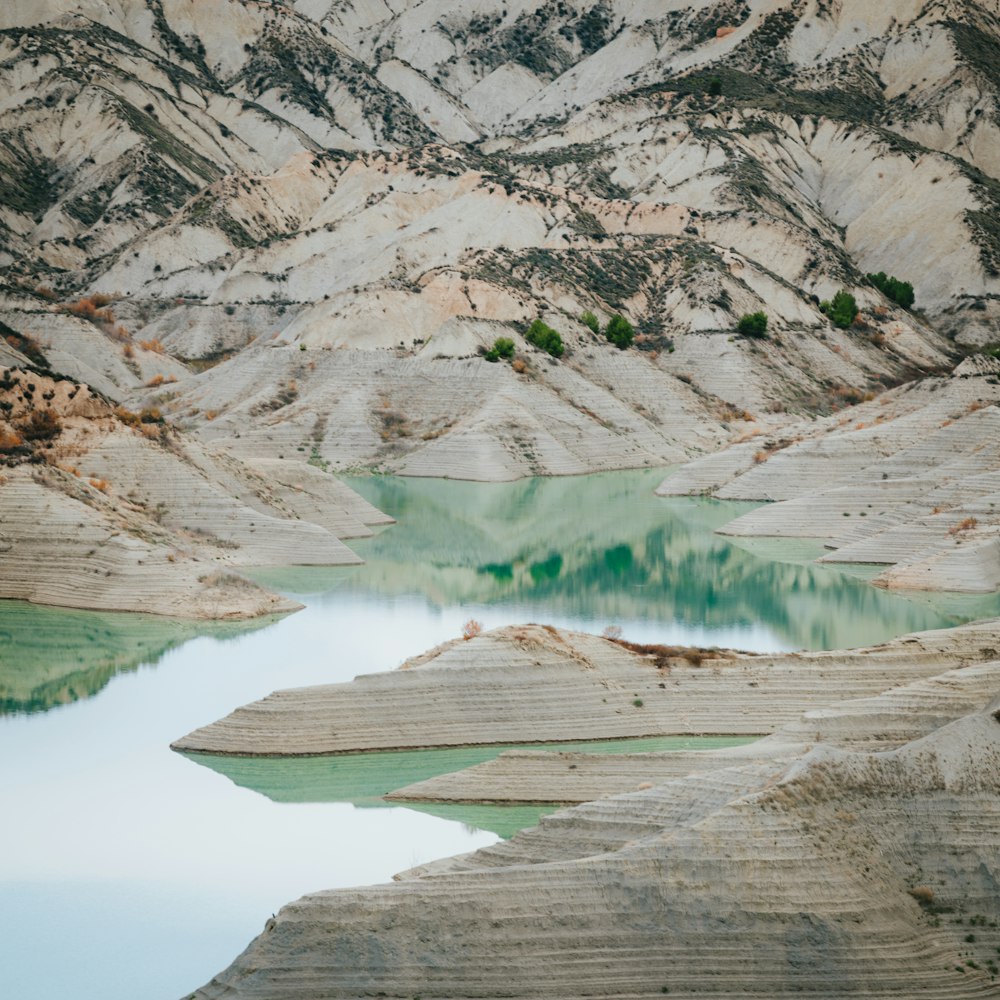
53	656
362	779
604	548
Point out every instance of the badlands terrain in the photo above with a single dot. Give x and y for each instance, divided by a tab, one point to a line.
851	853
293	229
246	245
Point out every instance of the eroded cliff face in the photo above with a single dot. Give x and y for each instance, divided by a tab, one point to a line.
852	853
349	201
907	481
103	507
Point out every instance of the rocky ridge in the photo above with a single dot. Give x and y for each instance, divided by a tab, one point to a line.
368	196
695	873
106	508
906	482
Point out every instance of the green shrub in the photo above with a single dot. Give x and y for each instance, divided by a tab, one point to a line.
589	319
503	347
715	86
543	336
841	310
900	292
619	331
753	325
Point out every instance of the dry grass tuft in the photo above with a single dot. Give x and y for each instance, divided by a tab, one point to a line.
966	524
695	655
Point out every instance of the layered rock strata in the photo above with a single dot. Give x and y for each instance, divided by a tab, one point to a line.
536	684
908	481
105	508
842	874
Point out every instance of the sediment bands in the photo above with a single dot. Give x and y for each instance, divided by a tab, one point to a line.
754	881
534	684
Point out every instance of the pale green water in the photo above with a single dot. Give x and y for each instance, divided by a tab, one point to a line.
130	871
362	779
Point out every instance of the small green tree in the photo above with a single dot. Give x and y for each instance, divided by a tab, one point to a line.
715	86
619	331
503	347
589	319
753	325
900	292
841	310
543	336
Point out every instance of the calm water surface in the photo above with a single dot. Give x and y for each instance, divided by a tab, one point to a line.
130	871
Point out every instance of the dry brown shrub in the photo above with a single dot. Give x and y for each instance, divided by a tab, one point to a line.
974	406
40	425
760	456
128	351
612	632
90	308
10	440
100	484
153	345
923	894
662	655
471	629
519	365
966	524
126	416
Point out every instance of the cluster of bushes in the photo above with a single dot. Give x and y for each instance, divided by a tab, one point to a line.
841	310
503	347
753	325
40	425
900	292
619	330
544	337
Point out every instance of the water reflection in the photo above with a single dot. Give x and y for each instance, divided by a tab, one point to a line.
603	549
362	779
55	656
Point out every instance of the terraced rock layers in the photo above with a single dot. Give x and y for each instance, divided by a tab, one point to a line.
908	481
105	508
786	870
536	684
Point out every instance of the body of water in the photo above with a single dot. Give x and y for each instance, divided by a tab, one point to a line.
127	870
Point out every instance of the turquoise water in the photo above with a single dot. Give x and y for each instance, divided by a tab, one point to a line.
127	870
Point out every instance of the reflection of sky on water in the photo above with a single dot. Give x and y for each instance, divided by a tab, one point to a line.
126	870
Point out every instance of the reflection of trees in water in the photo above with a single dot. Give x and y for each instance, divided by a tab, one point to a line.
55	656
603	547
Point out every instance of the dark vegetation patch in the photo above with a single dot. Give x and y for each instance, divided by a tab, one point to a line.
663	655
